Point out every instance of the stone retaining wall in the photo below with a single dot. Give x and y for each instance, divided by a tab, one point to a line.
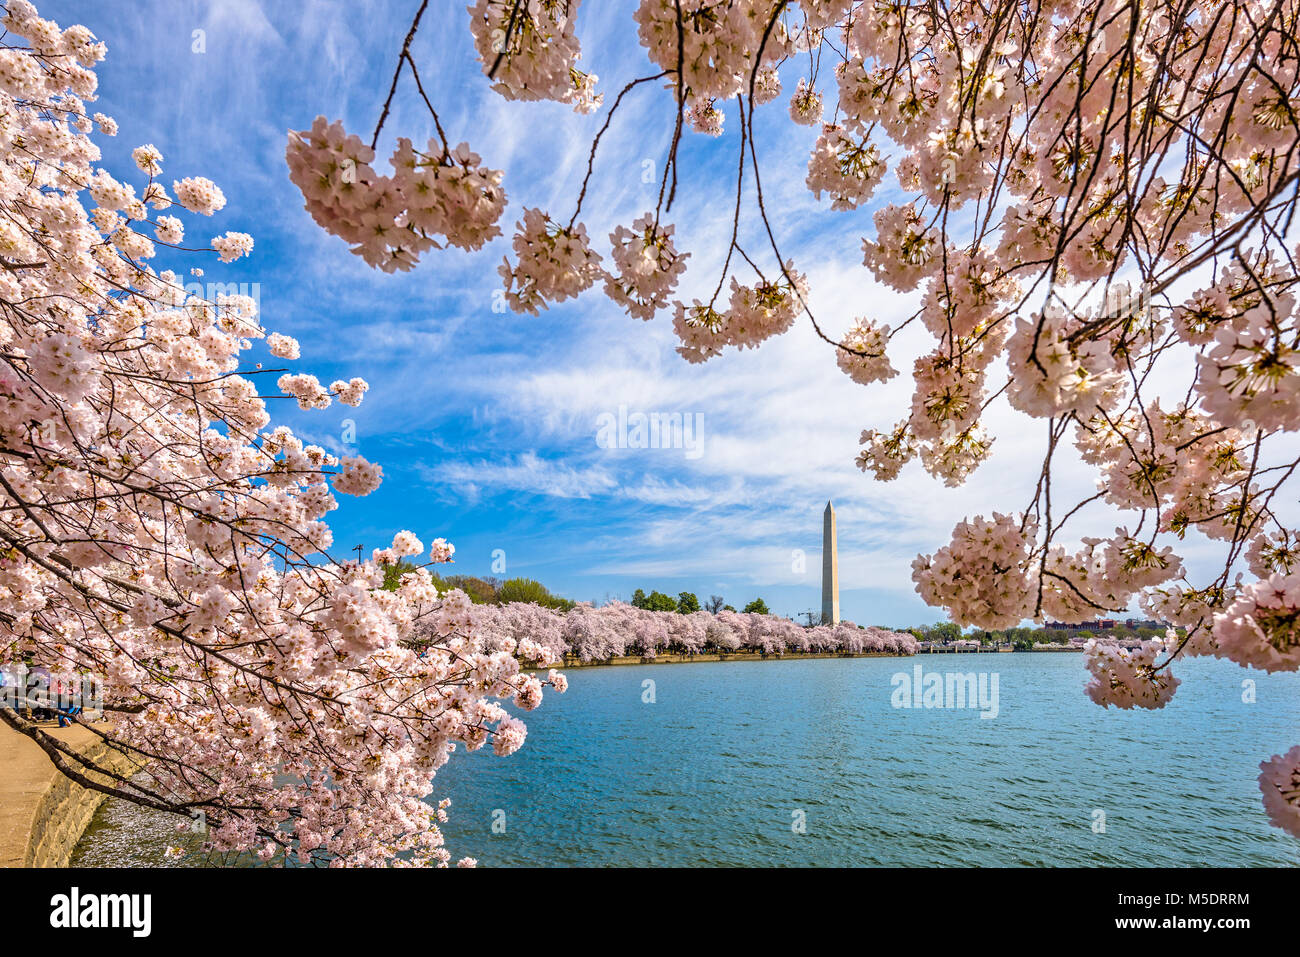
42	813
64	813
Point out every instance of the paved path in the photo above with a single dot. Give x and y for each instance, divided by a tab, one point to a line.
25	773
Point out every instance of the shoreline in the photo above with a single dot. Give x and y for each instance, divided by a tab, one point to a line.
43	814
678	659
568	664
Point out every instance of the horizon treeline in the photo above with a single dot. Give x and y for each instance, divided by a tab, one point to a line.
490	590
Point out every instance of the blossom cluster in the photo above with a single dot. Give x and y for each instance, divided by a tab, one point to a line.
390	221
754	313
982	576
648	264
1279	780
863	357
718	42
554	263
846	169
1126	678
533	49
1261	628
994	575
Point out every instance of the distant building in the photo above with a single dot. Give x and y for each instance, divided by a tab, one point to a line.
1101	624
1108	624
1136	623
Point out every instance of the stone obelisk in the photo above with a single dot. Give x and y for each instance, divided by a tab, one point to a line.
830	570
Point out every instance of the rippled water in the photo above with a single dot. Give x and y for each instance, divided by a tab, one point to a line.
716	770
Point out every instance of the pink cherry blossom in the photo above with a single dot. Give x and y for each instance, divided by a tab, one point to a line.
1279	780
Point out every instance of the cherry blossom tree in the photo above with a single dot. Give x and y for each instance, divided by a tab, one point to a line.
159	534
1099	207
589	633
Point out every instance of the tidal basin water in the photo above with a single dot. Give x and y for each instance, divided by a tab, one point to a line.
808	762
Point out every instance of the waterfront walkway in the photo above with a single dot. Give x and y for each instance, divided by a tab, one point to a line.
26	774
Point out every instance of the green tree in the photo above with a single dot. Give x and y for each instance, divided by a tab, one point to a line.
658	601
638	598
393	574
1024	636
481	591
532	592
524	590
945	631
758	607
687	602
728	608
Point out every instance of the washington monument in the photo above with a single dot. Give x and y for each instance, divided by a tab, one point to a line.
830	570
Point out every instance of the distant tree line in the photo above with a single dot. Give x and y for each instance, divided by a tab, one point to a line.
494	591
688	602
486	591
947	631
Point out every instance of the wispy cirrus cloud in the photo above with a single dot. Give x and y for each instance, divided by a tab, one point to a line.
527	473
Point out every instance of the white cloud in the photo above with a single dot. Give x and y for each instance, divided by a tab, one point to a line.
525	473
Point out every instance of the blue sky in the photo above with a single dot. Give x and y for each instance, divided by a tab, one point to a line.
486	423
